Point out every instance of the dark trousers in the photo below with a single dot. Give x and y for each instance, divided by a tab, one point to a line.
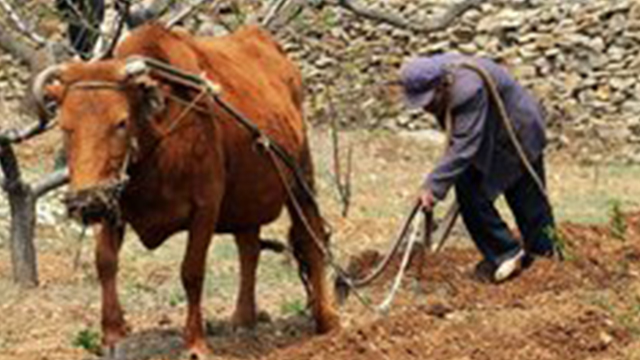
491	235
82	37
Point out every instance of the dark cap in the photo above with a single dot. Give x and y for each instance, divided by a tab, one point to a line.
419	78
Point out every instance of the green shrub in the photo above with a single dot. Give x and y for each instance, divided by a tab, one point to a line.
89	340
617	222
293	307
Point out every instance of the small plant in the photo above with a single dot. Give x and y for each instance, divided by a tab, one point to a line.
617	222
176	298
89	340
560	243
293	307
342	177
330	19
626	317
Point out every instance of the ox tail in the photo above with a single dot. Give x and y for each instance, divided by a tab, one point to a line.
276	246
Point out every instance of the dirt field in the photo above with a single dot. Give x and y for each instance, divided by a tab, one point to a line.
587	307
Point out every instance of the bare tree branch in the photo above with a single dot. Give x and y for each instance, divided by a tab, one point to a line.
77	14
24	28
140	14
272	11
185	13
432	25
51	182
19	50
27	30
15	136
342	181
124	12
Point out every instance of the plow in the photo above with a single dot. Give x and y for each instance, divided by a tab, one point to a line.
415	232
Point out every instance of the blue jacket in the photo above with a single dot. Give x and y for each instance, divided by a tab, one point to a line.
479	137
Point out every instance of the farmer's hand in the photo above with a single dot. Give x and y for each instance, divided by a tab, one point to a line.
427	199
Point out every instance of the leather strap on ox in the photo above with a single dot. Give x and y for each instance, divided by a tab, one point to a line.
137	65
345	283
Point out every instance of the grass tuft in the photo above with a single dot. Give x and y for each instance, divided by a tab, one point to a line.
617	221
88	339
294	307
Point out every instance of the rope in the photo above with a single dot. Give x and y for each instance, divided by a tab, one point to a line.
494	93
343	277
506	121
184	112
279	155
326	252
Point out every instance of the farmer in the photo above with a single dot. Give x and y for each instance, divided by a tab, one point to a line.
85	17
481	162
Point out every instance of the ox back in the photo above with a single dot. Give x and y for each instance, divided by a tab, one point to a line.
259	81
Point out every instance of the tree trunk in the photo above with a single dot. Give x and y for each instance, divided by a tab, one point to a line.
23	219
23	222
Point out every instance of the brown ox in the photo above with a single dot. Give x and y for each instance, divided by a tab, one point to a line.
192	169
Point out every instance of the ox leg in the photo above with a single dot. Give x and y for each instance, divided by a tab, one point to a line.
193	270
108	246
248	244
312	264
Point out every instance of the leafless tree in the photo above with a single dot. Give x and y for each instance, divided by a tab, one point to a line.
22	201
23	42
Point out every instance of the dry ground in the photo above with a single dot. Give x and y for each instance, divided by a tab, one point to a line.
586	308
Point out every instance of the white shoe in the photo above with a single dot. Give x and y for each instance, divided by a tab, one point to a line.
509	267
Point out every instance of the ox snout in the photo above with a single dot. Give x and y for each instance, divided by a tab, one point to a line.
93	205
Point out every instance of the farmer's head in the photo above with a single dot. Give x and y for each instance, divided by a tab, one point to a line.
424	81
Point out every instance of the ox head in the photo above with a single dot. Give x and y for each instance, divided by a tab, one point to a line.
101	108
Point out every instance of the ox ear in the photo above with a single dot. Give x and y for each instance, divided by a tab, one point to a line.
45	106
54	92
153	101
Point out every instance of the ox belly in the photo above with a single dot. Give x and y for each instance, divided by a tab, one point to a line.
253	197
154	223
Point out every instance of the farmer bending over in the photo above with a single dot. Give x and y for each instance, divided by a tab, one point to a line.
481	162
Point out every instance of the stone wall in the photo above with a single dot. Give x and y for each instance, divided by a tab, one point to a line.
581	59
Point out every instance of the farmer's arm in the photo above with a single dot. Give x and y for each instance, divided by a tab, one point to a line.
468	129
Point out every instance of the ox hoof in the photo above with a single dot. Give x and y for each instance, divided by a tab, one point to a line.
244	321
199	353
328	323
264	317
249	320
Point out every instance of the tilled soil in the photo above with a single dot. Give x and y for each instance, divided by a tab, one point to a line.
576	309
586	307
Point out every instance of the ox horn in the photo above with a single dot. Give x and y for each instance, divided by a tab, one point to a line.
40	82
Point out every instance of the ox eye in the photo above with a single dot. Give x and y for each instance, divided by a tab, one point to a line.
121	128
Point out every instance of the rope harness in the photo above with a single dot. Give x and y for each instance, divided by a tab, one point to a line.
280	159
494	93
278	156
